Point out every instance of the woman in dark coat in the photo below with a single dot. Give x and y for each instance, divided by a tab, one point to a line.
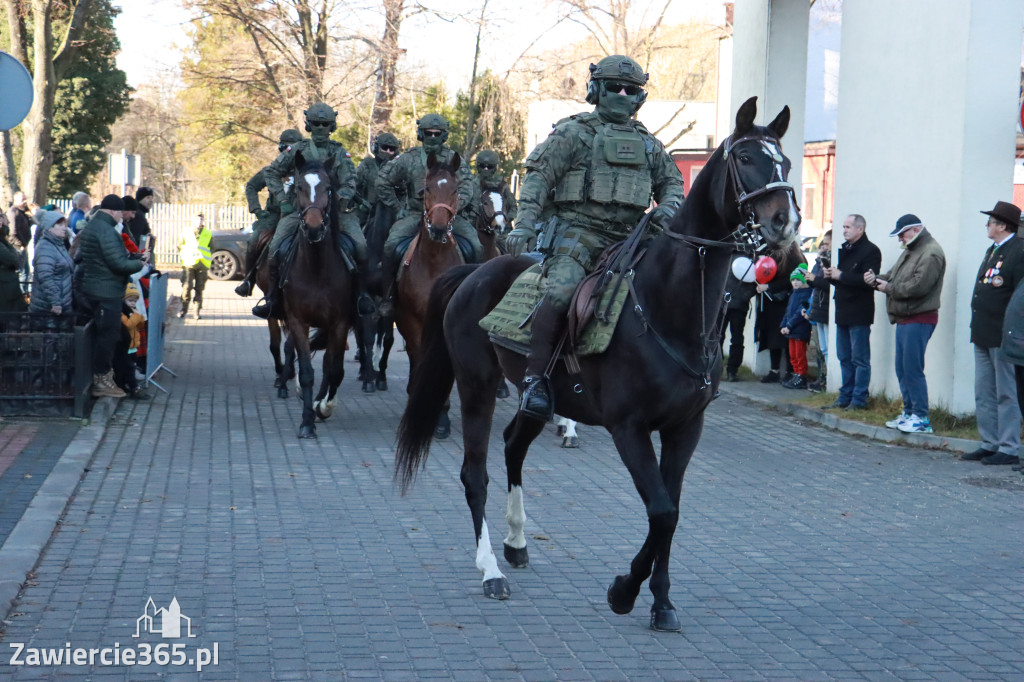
12	260
52	267
771	303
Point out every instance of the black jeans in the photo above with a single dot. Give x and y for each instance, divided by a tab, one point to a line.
106	329
735	320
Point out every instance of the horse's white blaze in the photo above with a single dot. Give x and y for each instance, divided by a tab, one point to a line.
772	150
442	181
312	179
499	209
516	517
794	217
485	559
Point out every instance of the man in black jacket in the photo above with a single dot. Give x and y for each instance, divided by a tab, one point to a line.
139	224
995	386
855	311
21	231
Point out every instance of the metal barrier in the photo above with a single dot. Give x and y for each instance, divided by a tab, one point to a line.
44	365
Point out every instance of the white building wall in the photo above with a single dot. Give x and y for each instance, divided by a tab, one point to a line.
926	125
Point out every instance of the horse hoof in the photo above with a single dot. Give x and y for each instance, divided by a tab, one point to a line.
382	384
307	431
570	442
368	387
517	558
619	598
322	414
497	588
502	391
442	432
282	392
560	431
278	383
665	619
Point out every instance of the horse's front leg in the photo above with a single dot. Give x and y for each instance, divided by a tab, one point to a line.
633	441
299	334
334	373
387	336
518	436
287	368
275	349
365	332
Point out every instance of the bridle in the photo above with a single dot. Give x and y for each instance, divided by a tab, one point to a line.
325	213
446	232
489	228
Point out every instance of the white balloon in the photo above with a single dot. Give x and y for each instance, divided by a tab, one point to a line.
743	269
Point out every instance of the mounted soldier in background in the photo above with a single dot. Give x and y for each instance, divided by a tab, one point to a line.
385	148
266	217
408	173
321	121
497	203
599	169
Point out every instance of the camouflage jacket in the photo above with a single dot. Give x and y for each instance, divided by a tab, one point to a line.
598	175
408	171
343	172
252	193
366	181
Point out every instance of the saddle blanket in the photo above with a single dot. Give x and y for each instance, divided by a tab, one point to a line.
510	322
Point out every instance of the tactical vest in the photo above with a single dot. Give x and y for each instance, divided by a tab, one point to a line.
619	173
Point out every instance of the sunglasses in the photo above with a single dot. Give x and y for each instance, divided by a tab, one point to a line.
619	87
388	148
320	124
432	133
485	167
283	148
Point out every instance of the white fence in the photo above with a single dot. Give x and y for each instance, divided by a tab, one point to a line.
169	223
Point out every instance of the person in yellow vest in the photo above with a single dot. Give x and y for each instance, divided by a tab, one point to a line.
195	263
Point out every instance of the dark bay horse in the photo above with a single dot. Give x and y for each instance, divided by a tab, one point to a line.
381	219
491	223
659	374
274	325
318	291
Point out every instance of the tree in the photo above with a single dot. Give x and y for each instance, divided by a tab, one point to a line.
92	96
492	118
48	66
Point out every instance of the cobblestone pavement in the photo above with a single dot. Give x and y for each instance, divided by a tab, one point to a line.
28	450
801	554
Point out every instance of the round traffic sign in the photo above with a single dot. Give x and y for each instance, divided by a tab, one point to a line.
16	84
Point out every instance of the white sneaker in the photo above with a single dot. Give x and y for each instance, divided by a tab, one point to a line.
898	421
915	424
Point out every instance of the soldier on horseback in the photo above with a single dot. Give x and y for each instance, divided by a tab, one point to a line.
599	170
321	121
266	217
385	148
408	173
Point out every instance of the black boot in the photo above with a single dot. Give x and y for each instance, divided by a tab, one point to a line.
389	272
251	261
270	303
184	308
548	324
245	288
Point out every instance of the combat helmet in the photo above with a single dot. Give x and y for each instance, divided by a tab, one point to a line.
320	113
619	68
432	122
488	157
288	138
385	139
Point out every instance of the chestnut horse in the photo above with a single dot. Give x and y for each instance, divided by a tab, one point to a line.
659	373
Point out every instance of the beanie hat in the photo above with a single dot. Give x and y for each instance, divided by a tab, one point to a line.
131	290
799	273
130	204
905	223
112	202
143	192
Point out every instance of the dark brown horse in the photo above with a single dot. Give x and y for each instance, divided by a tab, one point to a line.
659	373
273	325
318	291
491	223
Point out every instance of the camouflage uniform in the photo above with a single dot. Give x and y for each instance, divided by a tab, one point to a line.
409	172
599	170
367	172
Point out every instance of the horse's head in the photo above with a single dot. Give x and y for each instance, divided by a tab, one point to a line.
441	196
754	192
492	211
313	196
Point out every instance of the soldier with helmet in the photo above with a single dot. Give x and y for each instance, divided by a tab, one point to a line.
266	217
595	174
321	121
384	149
409	173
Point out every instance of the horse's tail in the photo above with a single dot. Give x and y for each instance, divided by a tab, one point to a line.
430	383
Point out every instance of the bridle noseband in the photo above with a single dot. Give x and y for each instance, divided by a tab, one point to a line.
447	231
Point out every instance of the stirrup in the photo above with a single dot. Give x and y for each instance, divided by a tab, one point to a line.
263	308
245	288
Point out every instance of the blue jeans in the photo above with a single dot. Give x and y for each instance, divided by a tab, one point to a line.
911	342
854	354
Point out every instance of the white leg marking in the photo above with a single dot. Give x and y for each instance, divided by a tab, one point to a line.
570	428
485	560
312	179
516	517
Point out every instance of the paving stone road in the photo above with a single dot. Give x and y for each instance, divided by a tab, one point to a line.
801	553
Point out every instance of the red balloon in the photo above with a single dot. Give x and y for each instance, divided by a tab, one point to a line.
765	269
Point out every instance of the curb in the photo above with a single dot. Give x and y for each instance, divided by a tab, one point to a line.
879	433
21	551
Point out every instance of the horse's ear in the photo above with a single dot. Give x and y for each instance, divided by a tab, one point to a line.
300	161
781	123
431	160
745	117
456	161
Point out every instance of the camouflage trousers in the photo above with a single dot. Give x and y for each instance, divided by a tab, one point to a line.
261	225
407	227
349	224
573	257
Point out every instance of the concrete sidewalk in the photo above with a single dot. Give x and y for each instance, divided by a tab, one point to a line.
801	553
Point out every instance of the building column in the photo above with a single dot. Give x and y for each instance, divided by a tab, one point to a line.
927	123
769	60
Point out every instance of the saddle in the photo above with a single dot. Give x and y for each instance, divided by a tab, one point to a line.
406	248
